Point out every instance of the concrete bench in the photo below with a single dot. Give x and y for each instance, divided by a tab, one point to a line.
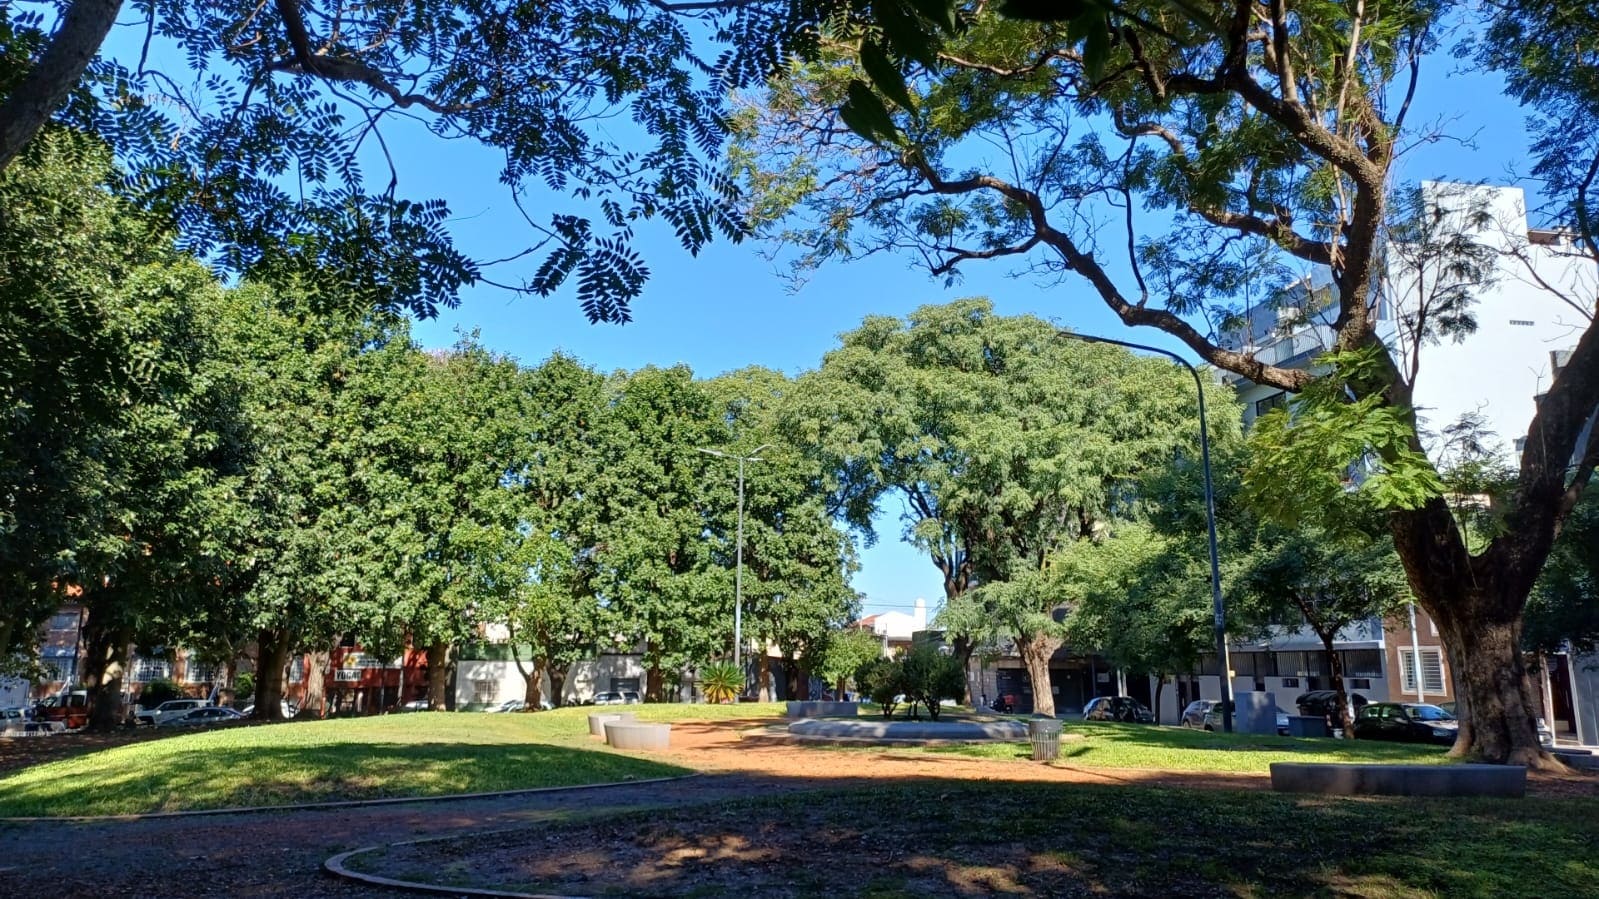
1341	779
822	709
631	735
597	722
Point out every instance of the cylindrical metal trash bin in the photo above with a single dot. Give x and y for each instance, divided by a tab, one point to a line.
1045	733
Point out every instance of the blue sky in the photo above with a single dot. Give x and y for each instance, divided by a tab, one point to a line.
729	308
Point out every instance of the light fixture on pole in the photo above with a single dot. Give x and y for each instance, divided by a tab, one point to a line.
1217	606
738	564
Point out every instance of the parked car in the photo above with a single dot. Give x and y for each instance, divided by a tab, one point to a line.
609	698
416	705
207	715
1194	715
1117	708
1546	734
15	720
1323	704
288	708
1406	722
631	697
510	705
1213	719
168	710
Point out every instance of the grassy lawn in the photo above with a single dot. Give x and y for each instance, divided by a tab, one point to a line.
420	754
1061	840
1109	745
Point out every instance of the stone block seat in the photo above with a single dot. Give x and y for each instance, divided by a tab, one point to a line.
632	735
598	721
1354	779
822	709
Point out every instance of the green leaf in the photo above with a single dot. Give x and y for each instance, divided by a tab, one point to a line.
939	12
866	115
1043	10
905	32
1096	50
885	75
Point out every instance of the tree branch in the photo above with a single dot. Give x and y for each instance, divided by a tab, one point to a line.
83	29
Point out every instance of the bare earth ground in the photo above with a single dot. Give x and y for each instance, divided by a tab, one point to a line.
280	853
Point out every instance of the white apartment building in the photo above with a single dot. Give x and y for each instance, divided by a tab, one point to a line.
1528	313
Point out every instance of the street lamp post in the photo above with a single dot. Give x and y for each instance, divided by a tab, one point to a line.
738	553
1217	605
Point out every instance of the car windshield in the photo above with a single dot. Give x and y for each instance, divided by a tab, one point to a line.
1428	713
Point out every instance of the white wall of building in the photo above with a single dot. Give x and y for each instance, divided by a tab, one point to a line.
478	681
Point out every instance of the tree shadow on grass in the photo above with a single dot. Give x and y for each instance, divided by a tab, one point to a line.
936	837
207	778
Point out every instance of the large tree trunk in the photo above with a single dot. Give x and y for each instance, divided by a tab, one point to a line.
439	661
1036	651
273	655
105	669
316	683
558	674
1477	605
1160	684
653	682
963	648
533	684
1335	671
1497	711
763	678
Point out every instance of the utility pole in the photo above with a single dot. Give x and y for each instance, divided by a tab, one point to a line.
1218	608
738	552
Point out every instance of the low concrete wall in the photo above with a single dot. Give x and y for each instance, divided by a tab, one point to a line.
822	709
1399	780
597	722
912	730
627	735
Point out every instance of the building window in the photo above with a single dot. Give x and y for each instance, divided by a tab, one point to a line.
147	670
200	673
297	670
63	671
1277	400
64	621
485	691
1521	444
1290	682
1432	671
1359	683
1363	663
1521	322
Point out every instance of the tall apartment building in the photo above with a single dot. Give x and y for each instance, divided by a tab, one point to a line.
1528	315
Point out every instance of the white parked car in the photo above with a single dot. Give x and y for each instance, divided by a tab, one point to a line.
170	709
510	705
288	708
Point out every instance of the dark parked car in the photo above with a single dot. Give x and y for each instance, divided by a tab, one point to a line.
1117	708
1546	736
1324	704
1213	720
1406	722
1194	715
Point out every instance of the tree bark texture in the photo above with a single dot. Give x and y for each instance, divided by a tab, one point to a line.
1036	651
105	669
1335	672
964	648
533	684
763	677
273	653
316	683
82	29
439	661
557	684
653	682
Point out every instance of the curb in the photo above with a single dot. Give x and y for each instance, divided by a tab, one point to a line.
347	803
335	867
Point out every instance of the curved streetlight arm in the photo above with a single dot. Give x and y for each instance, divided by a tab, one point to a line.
1217	605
